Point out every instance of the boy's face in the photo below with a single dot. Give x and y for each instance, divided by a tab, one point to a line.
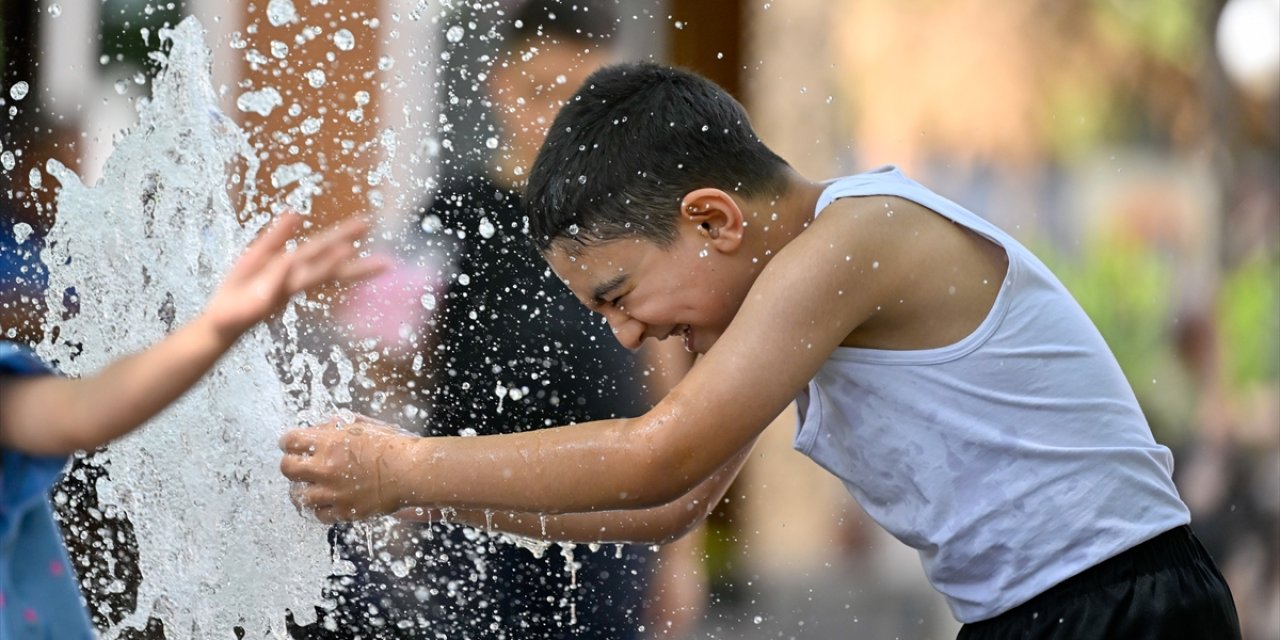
689	291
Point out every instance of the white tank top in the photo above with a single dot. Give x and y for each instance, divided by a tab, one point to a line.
1012	459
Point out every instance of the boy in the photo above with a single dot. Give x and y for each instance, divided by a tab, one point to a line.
44	418
941	372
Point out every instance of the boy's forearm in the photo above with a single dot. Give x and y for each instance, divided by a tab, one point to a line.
542	471
657	524
648	526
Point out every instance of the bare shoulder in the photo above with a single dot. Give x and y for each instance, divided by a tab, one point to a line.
874	221
929	280
872	242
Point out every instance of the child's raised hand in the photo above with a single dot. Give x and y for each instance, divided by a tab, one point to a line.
347	471
267	274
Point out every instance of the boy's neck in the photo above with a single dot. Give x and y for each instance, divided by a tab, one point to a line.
794	208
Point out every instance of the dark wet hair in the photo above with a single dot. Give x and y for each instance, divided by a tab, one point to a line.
630	144
588	22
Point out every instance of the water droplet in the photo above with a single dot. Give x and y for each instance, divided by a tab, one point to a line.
455	33
432	224
486	228
19	90
288	174
55	10
7	160
429	301
261	102
561	79
464	279
875	265
279	49
281	12
491	143
21	232
315	78
582	179
344	40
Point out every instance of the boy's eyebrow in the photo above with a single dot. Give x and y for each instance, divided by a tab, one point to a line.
604	288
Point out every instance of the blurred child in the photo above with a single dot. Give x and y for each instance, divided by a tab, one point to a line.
941	372
45	418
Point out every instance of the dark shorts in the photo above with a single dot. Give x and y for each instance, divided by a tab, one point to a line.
1165	588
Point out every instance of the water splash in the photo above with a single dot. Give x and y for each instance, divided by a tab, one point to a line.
220	545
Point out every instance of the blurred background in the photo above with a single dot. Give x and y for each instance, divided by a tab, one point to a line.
1135	144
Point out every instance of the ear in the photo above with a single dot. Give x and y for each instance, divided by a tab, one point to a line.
715	216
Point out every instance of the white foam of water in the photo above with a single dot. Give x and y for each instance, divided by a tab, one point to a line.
219	543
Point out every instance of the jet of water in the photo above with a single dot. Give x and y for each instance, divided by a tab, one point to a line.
219	543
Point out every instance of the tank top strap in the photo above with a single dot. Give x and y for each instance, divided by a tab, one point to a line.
889	180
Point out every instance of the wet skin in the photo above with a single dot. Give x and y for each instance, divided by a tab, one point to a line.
765	302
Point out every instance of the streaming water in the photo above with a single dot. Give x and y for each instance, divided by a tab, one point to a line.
220	545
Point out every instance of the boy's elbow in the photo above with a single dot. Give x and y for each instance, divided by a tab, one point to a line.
681	527
661	477
664	466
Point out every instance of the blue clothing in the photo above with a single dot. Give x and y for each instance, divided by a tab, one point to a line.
1011	460
39	597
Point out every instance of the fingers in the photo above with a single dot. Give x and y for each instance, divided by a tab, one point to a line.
363	269
301	468
267	245
332	256
299	441
343	235
334	468
310	500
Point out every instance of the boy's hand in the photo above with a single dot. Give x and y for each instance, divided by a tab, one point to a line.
347	471
266	275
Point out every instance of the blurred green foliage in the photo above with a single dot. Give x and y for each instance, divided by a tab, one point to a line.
1170	30
1249	318
1130	291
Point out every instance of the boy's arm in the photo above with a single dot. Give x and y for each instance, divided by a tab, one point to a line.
804	304
656	525
51	415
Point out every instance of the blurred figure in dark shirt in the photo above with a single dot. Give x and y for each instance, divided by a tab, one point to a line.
509	345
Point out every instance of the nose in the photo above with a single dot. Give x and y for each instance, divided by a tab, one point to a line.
629	331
